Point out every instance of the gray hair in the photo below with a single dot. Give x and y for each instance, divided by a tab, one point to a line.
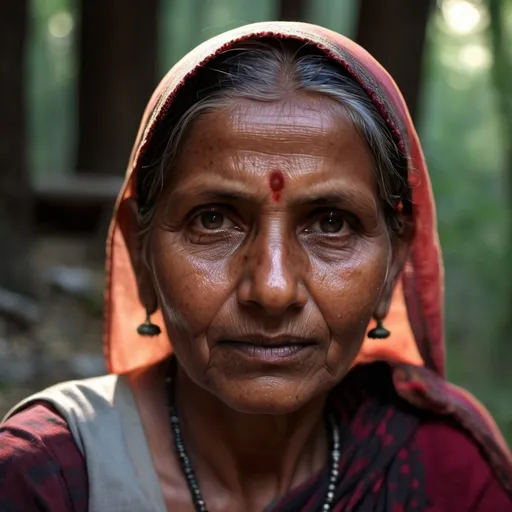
268	71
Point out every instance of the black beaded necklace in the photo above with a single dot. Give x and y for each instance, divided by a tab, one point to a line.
188	471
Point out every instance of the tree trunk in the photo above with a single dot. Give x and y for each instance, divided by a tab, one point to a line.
118	62
502	81
394	32
15	195
292	10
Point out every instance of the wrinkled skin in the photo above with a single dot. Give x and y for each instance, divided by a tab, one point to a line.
231	260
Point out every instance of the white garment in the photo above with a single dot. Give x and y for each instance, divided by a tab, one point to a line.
105	423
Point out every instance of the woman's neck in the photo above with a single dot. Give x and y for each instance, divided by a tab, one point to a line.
251	456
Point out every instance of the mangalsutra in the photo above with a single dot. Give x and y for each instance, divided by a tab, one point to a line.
188	471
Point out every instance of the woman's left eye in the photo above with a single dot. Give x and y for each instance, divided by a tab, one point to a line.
331	222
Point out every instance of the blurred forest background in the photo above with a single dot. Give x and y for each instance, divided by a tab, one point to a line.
74	78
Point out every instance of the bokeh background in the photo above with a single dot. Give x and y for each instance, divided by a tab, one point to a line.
74	78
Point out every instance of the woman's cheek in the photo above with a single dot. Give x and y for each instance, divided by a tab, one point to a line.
347	295
195	289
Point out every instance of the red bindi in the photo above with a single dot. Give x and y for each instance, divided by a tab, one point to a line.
276	183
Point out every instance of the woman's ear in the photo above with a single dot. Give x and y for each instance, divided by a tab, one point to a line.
400	246
128	221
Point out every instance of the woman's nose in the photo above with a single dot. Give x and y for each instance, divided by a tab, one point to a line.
273	277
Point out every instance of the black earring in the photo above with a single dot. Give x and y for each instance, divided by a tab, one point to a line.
148	328
379	332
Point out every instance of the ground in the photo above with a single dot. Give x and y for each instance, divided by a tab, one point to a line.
66	342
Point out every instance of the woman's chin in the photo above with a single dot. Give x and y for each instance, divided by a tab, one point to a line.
268	395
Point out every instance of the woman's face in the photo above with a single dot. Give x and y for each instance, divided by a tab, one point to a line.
269	253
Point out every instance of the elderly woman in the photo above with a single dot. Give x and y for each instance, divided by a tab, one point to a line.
277	225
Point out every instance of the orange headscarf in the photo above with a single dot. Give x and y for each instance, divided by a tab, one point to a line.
416	346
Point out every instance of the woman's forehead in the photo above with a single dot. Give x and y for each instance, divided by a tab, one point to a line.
303	125
248	123
308	139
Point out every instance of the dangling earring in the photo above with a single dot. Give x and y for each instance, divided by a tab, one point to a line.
379	332
148	328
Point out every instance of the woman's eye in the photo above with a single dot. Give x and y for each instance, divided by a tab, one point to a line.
332	222
211	220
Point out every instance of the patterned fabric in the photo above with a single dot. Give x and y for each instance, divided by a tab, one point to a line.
41	468
380	467
427	391
393	460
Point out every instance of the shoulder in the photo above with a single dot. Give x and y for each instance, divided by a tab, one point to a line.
458	477
41	467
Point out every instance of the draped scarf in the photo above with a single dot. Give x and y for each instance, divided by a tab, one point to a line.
380	467
415	350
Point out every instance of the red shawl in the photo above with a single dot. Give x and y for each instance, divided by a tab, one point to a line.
415	350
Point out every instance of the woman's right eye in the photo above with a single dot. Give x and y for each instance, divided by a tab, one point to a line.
212	220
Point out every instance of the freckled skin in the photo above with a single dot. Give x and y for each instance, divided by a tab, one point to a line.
268	266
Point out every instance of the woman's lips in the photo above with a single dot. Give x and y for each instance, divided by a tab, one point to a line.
270	350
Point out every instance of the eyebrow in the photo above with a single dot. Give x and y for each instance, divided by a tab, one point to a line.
221	194
343	197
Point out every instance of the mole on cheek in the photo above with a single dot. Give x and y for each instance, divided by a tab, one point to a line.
276	183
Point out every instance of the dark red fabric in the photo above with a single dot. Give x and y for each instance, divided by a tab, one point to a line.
458	478
380	465
41	468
